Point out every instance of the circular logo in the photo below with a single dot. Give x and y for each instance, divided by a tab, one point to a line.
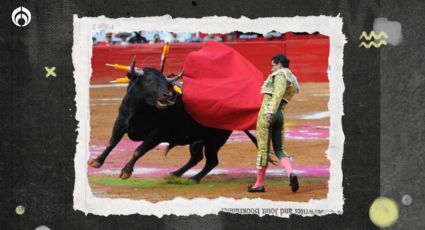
20	210
21	16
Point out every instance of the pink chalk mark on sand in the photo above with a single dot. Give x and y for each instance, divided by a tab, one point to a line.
120	154
302	171
308	131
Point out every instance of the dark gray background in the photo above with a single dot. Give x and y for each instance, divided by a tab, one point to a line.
382	103
403	114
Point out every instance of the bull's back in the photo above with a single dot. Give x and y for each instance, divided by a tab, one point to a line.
174	125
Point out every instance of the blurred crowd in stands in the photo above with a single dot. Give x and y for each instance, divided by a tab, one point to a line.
103	38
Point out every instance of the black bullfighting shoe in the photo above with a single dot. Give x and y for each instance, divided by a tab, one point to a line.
294	182
257	189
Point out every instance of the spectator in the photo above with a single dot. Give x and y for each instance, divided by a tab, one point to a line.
136	37
213	37
272	34
156	39
173	38
123	36
95	42
248	36
108	39
194	38
231	37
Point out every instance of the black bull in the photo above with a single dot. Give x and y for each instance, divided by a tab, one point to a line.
151	113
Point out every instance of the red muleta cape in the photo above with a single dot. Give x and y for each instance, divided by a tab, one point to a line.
222	89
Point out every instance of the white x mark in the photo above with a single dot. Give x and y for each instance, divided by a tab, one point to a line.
50	71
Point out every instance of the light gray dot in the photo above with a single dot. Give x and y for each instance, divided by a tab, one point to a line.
406	199
391	28
42	227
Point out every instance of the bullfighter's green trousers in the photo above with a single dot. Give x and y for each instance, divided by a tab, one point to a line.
267	132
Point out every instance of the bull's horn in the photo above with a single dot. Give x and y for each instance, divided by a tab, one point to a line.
139	72
173	79
133	63
134	70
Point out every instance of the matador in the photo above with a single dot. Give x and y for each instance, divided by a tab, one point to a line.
278	89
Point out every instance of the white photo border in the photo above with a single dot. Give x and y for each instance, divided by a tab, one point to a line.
85	27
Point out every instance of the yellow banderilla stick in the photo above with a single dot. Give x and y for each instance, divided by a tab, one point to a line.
120	67
177	89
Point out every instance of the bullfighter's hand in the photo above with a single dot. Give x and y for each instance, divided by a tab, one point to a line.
269	117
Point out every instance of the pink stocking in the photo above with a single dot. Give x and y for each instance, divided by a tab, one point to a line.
286	164
261	176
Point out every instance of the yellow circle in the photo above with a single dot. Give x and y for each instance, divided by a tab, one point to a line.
20	210
383	212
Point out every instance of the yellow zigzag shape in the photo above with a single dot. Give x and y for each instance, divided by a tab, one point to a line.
372	43
372	34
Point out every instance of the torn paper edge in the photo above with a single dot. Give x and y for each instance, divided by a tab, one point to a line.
85	27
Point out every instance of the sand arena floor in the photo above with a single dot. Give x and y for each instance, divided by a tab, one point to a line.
306	140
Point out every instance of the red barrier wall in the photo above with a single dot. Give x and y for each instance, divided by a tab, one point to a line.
308	55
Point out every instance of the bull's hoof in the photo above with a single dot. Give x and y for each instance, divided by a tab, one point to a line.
94	163
195	179
171	177
125	175
175	174
179	180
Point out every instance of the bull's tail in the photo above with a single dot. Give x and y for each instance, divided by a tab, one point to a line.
168	148
269	159
254	140
251	137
